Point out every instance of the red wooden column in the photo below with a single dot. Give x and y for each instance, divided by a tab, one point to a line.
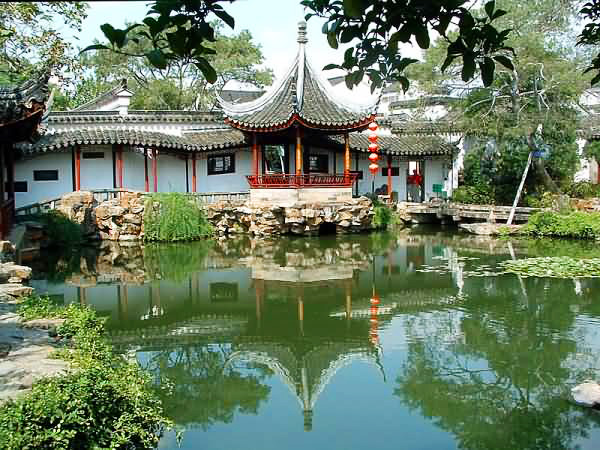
254	155
389	174
346	154
299	162
193	172
155	168
78	168
120	165
146	181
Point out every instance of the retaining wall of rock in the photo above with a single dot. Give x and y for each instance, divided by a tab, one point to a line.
122	218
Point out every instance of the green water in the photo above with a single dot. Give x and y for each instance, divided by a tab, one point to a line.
279	345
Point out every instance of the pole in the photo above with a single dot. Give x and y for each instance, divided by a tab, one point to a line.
146	181
193	172
155	168
389	177
78	168
298	152
346	154
518	196
254	155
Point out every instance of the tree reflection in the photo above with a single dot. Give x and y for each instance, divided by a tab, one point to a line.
497	373
198	386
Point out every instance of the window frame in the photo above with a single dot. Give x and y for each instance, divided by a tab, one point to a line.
38	172
210	166
322	157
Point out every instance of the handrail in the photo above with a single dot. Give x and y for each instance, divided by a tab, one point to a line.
284	180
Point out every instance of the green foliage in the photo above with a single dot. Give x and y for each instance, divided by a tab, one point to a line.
174	217
592	150
582	189
577	224
479	194
30	41
61	231
105	403
175	261
383	216
554	266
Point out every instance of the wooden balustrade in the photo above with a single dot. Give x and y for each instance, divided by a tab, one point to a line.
284	180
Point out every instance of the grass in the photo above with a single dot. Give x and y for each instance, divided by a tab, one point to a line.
575	224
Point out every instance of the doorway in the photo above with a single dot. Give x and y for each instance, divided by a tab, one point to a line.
415	181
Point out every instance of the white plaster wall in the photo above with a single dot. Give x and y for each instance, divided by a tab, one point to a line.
365	185
434	173
97	173
228	182
133	170
170	173
38	191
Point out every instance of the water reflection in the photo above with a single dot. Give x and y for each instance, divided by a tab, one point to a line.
408	326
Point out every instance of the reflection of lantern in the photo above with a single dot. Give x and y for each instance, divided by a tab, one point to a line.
373	168
373	157
375	300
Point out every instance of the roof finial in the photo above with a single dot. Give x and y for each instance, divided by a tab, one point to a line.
302	39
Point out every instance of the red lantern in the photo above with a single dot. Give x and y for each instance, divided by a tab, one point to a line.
373	138
373	168
375	301
373	157
373	147
372	126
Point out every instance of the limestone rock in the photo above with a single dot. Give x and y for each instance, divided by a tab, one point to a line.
15	290
587	393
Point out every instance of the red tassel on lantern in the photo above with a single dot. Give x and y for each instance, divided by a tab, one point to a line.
373	168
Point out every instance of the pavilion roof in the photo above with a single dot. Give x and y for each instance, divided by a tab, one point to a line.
299	97
21	108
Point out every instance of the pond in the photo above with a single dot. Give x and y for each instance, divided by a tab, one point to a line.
407	340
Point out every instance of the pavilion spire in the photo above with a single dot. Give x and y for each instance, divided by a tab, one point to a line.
302	40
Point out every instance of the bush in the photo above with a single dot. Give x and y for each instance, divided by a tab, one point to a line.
105	403
61	231
577	224
478	195
582	189
382	217
174	217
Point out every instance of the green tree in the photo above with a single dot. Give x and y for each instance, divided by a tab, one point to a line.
30	42
531	108
178	85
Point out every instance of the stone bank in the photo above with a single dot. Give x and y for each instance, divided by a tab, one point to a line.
122	218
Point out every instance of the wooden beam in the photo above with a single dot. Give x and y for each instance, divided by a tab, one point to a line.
346	154
193	172
78	168
146	181
155	168
299	162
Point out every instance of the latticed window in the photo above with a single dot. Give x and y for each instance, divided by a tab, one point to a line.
318	163
219	164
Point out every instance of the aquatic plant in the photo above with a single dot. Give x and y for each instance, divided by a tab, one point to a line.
554	267
105	403
172	217
576	224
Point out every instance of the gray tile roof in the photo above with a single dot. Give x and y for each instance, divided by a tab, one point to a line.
93	117
17	102
407	146
191	142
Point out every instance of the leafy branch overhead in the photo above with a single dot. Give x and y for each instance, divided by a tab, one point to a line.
376	29
177	29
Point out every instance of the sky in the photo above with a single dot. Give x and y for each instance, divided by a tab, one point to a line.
273	24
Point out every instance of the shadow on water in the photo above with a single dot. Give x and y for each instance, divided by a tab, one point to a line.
316	334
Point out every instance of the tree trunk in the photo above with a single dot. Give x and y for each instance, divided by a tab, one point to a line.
540	168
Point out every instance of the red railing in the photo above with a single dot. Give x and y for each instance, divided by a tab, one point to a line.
283	180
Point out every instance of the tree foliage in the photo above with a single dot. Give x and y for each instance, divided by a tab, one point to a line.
178	85
30	41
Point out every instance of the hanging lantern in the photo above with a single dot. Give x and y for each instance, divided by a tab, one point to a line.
373	168
373	147
373	157
372	126
373	137
375	300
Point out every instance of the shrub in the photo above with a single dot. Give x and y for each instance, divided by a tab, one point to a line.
582	189
105	403
577	224
383	216
478	194
174	217
61	231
